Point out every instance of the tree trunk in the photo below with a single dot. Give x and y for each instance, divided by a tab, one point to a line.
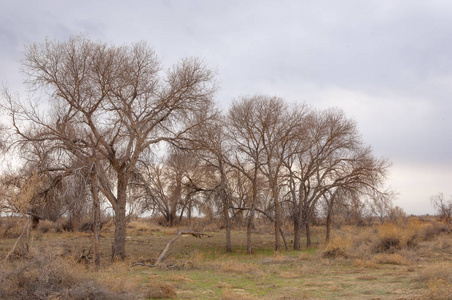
227	225
308	234
329	218
189	212
277	219
76	221
249	228
297	233
96	220
34	221
119	243
225	200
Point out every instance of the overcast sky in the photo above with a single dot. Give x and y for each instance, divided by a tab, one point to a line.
387	64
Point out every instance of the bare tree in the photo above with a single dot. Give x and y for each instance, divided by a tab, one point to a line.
330	158
278	126
247	141
113	103
443	207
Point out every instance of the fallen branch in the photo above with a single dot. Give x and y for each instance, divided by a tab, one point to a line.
178	234
168	245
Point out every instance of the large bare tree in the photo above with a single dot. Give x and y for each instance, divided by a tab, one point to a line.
247	140
111	103
331	157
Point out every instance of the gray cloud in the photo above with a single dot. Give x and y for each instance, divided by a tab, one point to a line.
388	64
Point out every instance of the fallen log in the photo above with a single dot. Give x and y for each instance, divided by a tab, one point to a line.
168	245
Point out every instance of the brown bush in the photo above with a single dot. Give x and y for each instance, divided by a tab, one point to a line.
47	276
160	290
338	247
45	226
439	289
12	227
438	279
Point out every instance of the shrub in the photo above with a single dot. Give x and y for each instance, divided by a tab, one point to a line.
160	290
12	227
439	289
439	280
45	226
47	276
338	247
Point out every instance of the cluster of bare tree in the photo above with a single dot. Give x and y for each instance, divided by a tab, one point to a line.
108	124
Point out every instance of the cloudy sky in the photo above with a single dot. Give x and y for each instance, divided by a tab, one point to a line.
386	63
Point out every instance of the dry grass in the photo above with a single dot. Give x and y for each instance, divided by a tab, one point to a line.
439	289
47	276
160	290
365	263
356	264
391	259
234	294
239	268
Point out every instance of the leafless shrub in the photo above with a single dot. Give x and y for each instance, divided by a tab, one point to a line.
443	207
46	276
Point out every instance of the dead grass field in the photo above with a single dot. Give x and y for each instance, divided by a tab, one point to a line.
392	261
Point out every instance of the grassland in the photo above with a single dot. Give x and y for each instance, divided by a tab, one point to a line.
412	260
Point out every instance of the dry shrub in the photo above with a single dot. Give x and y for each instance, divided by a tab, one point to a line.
390	258
160	290
139	226
338	247
304	256
385	238
239	268
196	260
48	276
389	238
438	279
365	263
439	289
11	227
45	226
439	271
234	294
